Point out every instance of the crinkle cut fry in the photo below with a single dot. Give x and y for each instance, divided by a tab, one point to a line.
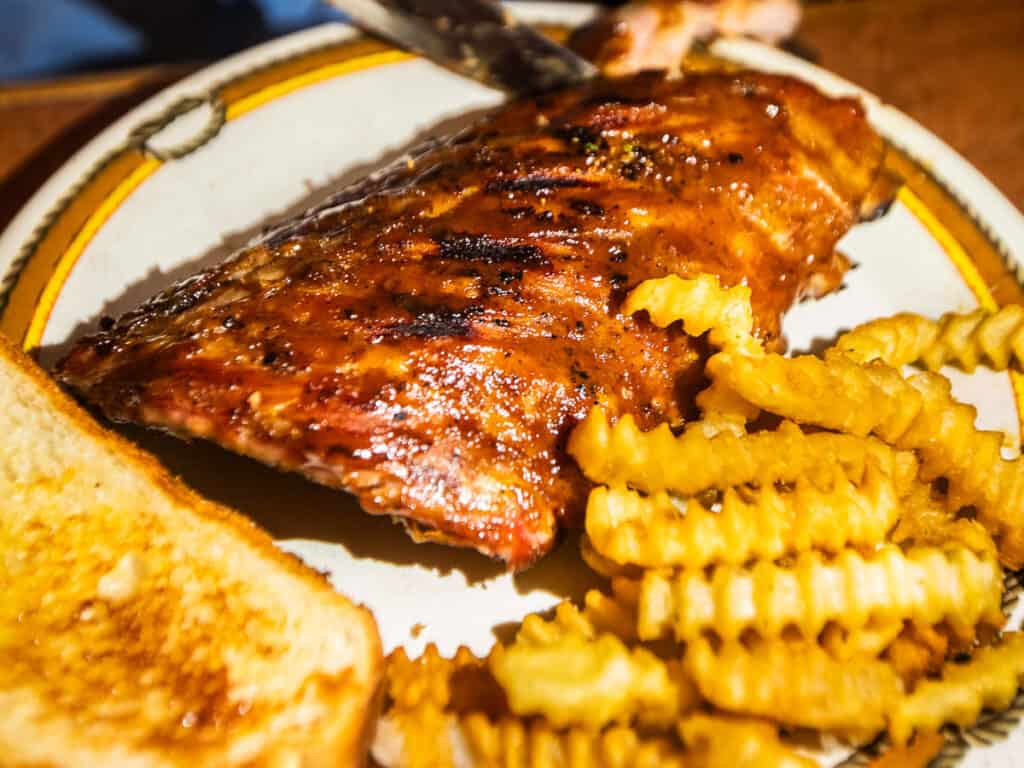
473	740
413	681
431	718
795	684
972	461
578	681
990	680
460	683
419	737
702	305
926	520
868	642
602	565
917	652
927	585
966	339
729	742
602	614
897	340
723	411
652	532
913	414
713	742
615	613
511	743
622	454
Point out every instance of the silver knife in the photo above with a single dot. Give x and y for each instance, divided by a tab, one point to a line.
477	38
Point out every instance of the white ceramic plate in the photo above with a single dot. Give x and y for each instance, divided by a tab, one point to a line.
199	169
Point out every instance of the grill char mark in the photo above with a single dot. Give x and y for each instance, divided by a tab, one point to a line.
484	249
435	323
586	207
535	184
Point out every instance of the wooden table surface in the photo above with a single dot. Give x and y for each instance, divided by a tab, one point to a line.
954	65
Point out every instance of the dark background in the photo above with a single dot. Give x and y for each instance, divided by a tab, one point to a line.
40	38
956	66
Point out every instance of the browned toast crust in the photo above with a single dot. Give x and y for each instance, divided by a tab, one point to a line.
144	625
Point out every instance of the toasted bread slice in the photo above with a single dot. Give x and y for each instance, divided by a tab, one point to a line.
141	625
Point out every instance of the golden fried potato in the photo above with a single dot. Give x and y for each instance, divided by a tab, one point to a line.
870	641
615	613
701	305
918	651
692	462
913	414
440	740
567	621
796	684
657	532
574	680
511	743
990	680
814	576
927	521
965	339
409	682
601	613
723	411
414	738
602	565
897	340
462	683
927	585
949	445
859	403
729	742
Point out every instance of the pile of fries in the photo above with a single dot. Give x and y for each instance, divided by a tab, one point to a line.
823	550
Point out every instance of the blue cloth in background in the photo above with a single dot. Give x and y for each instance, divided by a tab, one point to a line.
43	38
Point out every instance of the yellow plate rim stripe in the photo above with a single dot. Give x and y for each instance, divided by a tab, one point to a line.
85	235
277	90
963	263
970	274
107	207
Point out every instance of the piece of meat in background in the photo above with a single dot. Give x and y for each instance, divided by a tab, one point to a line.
657	34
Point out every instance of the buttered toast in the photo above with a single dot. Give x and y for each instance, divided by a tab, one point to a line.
141	625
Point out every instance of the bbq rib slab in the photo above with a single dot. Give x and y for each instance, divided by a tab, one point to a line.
428	338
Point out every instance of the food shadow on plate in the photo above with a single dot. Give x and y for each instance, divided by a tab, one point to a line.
290	507
819	344
285	504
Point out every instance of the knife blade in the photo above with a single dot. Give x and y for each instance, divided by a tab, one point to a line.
476	38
